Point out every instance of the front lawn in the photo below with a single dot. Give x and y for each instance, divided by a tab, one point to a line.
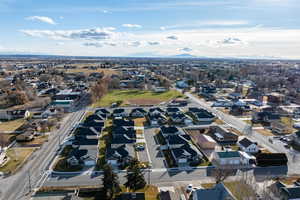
151	191
139	97
17	157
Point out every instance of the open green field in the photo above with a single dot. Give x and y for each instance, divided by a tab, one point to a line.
138	97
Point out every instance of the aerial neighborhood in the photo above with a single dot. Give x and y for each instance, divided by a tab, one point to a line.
139	128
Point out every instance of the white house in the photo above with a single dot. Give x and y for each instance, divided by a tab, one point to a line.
225	158
248	146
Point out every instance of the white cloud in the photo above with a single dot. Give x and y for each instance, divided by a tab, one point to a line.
134	44
110	44
44	19
153	43
230	41
172	37
204	23
162	28
132	25
82	34
186	49
93	44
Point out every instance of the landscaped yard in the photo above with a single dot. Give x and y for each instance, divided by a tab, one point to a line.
11	125
17	157
62	164
151	192
139	97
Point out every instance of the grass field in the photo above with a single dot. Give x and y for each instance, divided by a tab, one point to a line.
135	97
11	125
17	157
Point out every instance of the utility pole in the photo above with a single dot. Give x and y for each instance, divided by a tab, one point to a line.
29	180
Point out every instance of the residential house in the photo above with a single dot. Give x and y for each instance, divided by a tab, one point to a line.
265	117
178	102
222	136
248	146
204	141
169	130
131	196
180	118
296	138
157	120
172	110
271	159
275	188
123	123
119	156
119	112
186	155
226	158
155	111
138	113
218	192
103	112
13	114
290	193
280	128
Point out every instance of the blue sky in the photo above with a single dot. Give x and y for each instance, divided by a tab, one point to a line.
211	28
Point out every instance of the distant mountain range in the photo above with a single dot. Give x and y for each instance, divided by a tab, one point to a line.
182	56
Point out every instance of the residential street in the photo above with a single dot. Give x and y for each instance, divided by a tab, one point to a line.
17	186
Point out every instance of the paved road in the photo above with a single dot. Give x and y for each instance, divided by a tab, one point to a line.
17	186
162	176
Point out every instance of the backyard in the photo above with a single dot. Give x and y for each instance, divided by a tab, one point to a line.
11	125
139	97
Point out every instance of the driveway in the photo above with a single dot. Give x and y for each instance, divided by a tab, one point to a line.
156	156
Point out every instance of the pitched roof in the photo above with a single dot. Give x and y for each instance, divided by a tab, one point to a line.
245	142
228	154
219	192
169	129
293	192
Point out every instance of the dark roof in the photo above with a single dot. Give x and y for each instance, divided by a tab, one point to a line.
176	139
95	117
185	150
178	115
121	152
139	110
271	159
131	196
85	131
245	142
169	129
219	192
122	139
204	114
119	110
102	111
173	109
196	110
292	193
156	109
123	122
228	154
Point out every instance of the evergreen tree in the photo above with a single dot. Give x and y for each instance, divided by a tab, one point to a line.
110	182
135	177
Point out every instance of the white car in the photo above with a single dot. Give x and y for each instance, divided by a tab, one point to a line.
297	125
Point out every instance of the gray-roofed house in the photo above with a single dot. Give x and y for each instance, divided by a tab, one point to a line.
218	192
